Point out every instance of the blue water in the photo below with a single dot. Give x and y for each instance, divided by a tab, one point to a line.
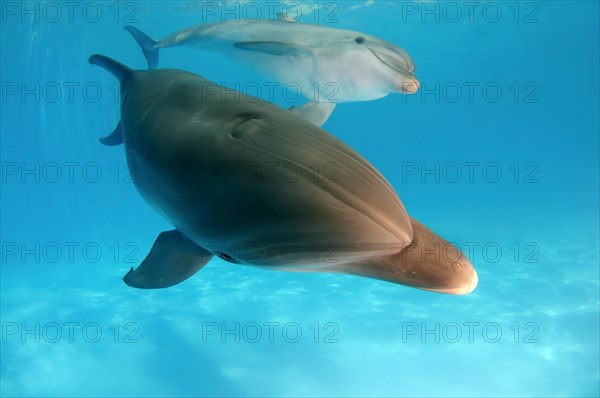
508	172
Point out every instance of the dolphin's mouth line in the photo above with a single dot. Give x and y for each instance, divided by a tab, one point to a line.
398	68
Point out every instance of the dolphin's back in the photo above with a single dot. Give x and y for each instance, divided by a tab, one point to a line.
229	32
333	167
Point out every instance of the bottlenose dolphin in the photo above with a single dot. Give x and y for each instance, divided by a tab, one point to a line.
254	184
329	65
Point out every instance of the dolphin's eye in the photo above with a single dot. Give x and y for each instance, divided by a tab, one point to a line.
359	40
225	257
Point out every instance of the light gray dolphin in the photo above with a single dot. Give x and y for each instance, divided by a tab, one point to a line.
254	184
329	65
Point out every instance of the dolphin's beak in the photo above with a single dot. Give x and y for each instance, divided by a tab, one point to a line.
410	87
428	263
398	60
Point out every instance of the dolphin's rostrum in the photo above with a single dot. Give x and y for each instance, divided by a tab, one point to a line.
248	181
330	65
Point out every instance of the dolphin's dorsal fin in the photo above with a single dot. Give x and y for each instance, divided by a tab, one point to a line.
274	48
114	138
172	259
284	17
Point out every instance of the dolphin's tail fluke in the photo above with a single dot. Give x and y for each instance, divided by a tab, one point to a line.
124	74
147	44
118	70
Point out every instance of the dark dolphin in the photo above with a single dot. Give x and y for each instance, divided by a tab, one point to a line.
248	181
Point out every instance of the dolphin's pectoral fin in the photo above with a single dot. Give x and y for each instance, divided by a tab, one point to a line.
172	259
314	112
115	138
275	48
284	17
